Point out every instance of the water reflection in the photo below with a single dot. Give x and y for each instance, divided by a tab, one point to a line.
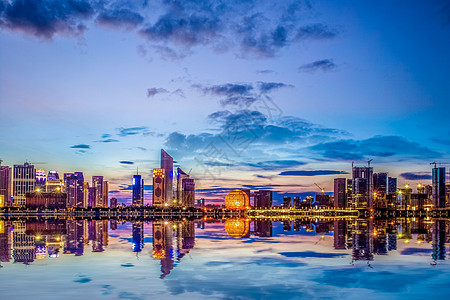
24	241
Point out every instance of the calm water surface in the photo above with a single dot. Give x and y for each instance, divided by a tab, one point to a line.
236	258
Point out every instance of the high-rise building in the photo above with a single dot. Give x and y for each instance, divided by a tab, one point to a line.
188	193
138	190
438	186
380	184
263	199
54	185
5	185
24	181
340	195
70	188
85	194
80	189
392	185
113	203
41	179
363	186
101	191
53	174
185	189
287	201
167	165
92	196
297	202
159	187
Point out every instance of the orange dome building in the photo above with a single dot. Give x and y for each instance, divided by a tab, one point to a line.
237	199
237	227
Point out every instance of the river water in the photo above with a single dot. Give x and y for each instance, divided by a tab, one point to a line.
235	258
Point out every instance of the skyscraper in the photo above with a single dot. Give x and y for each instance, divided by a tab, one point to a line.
185	189
287	201
138	190
167	165
159	187
380	184
41	179
263	199
392	185
5	185
438	186
24	181
340	196
101	191
80	189
363	186
70	188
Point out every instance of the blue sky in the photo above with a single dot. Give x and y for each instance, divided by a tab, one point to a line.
238	91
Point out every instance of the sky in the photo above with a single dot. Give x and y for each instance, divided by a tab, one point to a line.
243	94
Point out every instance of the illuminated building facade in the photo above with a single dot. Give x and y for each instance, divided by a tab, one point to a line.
438	186
159	187
41	200
101	191
5	185
263	199
287	201
24	181
392	185
188	192
70	188
138	190
41	179
237	199
237	227
380	184
340	193
362	187
167	165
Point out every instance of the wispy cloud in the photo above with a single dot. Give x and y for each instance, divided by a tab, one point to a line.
312	173
319	65
416	176
81	146
133	131
126	162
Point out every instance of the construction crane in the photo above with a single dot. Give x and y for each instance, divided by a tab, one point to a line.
369	161
436	163
321	189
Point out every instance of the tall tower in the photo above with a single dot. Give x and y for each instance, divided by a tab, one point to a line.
80	189
340	197
167	165
138	190
363	186
24	181
70	188
438	186
158	187
97	184
5	185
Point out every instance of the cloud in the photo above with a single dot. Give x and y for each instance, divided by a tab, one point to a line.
416	176
319	65
315	31
46	18
441	141
377	146
108	141
133	131
266	87
240	94
126	162
173	28
105	135
120	18
81	146
276	164
312	173
265	71
151	92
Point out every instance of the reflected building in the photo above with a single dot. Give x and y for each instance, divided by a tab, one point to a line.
238	227
263	228
362	240
138	236
5	241
287	225
340	234
23	243
164	236
98	234
439	239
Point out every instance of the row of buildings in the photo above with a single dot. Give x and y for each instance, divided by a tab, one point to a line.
26	186
377	190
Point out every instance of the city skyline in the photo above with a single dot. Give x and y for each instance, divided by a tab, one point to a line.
306	87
